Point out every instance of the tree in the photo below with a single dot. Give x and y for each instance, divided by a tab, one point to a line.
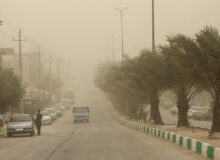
151	76
208	41
181	53
119	89
11	90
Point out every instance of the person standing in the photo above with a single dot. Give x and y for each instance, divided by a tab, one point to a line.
38	121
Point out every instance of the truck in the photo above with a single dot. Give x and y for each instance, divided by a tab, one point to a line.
81	113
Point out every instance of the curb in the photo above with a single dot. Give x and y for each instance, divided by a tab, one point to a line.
195	145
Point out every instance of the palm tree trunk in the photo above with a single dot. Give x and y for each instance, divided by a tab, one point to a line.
155	112
183	107
216	115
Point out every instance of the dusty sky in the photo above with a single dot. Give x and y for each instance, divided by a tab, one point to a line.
80	30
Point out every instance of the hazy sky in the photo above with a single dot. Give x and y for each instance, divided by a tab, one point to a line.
81	29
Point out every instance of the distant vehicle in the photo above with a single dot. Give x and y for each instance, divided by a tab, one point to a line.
200	113
21	124
81	114
62	108
173	110
68	103
59	112
53	113
46	118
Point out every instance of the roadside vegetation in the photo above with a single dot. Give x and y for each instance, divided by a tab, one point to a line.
10	90
185	65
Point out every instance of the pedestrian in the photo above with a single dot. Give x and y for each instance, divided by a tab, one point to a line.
38	121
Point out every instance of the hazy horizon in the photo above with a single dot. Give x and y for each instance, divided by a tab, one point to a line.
81	31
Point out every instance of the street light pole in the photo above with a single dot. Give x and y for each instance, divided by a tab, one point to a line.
113	48
153	29
122	32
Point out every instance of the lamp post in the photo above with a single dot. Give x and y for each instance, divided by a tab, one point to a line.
153	29
122	32
113	47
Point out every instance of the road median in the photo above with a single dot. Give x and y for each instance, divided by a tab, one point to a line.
198	146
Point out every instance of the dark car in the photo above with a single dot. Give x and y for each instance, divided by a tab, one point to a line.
20	124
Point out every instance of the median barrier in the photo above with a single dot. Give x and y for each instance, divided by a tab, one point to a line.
195	145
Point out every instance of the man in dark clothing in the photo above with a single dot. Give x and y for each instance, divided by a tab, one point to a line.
38	121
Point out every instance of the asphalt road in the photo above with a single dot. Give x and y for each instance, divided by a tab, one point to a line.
168	118
101	139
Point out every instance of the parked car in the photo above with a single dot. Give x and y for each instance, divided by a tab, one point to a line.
59	112
52	112
46	118
200	113
173	110
21	124
62	108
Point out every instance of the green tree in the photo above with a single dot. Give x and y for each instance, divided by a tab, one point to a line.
11	90
112	80
208	40
181	53
151	77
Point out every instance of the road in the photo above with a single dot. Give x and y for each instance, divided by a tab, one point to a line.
168	118
101	139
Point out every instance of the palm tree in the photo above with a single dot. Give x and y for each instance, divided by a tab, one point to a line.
110	78
150	75
181	54
208	40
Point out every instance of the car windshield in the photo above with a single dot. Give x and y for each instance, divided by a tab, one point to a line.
81	111
20	118
45	113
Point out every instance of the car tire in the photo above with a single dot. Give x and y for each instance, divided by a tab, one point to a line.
32	133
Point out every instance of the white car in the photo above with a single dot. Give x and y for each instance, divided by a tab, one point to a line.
200	113
46	118
52	112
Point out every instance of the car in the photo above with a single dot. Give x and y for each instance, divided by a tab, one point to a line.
173	110
62	108
200	113
52	112
81	114
46	118
20	124
59	112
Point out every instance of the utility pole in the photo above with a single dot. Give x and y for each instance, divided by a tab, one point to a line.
113	48
50	72
39	64
153	29
122	32
20	40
